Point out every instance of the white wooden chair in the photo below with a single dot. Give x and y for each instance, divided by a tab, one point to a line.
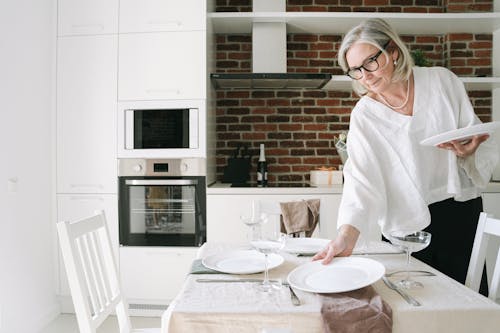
92	274
487	228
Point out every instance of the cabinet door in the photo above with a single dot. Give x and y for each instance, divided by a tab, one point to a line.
165	65
72	207
154	273
162	15
87	17
86	114
224	211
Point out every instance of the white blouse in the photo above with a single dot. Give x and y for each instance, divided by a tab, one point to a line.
390	179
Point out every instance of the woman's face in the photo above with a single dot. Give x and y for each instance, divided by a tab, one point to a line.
360	54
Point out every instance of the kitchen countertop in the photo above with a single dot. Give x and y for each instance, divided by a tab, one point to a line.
220	188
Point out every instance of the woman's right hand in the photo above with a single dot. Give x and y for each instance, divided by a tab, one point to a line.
341	246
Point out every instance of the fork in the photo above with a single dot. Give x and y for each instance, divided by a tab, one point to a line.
419	273
293	296
403	294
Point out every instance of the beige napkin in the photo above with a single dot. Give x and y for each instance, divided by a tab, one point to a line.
356	311
298	216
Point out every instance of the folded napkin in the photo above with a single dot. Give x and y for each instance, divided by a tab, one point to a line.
356	311
197	267
298	216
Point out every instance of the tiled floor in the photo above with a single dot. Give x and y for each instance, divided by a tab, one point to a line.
66	323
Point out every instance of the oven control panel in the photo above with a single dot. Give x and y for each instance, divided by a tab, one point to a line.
162	167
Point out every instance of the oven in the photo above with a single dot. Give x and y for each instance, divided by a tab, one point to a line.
162	202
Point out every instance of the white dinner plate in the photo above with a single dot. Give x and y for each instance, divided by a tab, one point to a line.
305	245
461	133
241	262
342	274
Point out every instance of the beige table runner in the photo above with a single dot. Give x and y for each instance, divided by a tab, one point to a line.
227	307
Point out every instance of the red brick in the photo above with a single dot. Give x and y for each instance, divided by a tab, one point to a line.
315	127
481	45
253	136
290	127
478	62
328	102
265	127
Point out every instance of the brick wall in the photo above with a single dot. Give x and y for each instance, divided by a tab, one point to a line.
298	126
403	6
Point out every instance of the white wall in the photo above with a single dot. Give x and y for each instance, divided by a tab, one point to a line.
27	293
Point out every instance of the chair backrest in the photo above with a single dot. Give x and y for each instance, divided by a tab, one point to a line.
92	274
487	228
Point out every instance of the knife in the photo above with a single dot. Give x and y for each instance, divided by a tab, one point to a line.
403	294
232	280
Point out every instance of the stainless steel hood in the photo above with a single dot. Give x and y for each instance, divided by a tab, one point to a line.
270	80
269	62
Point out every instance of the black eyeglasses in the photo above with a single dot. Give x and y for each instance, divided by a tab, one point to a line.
370	65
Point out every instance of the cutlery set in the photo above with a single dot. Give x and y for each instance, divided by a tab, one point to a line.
296	301
293	296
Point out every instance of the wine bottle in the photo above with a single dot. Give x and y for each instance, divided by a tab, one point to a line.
262	168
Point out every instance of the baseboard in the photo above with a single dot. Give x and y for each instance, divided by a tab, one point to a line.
136	308
146	310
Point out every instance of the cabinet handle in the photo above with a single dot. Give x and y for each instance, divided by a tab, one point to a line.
87	27
166	23
99	186
86	198
163	91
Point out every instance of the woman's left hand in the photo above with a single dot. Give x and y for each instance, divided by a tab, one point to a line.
464	149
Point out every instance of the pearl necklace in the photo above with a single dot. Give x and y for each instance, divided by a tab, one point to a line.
402	105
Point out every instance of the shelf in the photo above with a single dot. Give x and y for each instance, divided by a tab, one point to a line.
343	83
340	22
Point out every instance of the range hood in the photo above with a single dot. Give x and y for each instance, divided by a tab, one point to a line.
269	59
270	80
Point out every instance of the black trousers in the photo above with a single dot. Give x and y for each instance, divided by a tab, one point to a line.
453	227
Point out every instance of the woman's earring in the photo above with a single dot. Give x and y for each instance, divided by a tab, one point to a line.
395	62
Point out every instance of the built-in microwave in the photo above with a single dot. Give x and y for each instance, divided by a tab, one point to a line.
161	129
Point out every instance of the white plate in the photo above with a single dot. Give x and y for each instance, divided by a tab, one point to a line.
241	262
461	133
305	245
342	274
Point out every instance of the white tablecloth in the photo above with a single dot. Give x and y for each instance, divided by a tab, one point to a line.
447	306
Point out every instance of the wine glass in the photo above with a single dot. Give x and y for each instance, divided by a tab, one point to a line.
268	239
253	221
413	242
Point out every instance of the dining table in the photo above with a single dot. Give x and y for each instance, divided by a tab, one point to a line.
445	304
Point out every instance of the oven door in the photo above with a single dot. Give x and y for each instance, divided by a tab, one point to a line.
162	211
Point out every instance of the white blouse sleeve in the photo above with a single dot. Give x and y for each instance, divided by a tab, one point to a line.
479	166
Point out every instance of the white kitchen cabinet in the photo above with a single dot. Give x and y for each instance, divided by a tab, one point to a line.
224	211
154	275
76	206
162	15
87	17
86	114
162	65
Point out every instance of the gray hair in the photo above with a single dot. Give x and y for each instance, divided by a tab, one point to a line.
376	32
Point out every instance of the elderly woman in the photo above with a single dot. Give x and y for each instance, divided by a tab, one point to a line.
391	179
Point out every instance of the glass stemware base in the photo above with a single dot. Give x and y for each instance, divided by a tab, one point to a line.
413	242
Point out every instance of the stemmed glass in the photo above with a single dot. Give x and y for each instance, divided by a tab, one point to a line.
413	242
268	239
253	221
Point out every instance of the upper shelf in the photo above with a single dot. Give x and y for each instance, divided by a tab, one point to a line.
341	22
343	83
